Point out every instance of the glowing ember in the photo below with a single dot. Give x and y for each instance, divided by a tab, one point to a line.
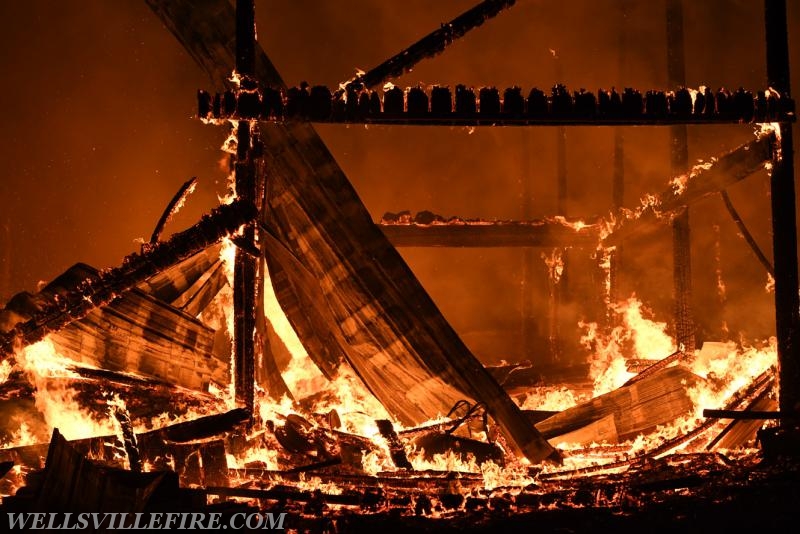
555	264
554	399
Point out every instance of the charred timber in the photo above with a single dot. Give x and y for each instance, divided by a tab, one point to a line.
107	285
784	215
432	44
443	107
491	234
660	364
172	208
726	171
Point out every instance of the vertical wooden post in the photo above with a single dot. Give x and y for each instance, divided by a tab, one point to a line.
528	253
558	287
244	278
679	163
618	181
784	217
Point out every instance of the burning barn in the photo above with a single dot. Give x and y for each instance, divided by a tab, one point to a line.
281	354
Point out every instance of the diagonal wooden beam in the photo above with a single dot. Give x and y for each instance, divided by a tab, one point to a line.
432	44
730	168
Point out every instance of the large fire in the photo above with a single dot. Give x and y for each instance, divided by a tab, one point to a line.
724	368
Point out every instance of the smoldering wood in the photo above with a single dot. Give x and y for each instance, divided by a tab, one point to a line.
637	409
128	439
433	443
172	208
73	483
429	480
544	233
726	171
79	300
200	428
396	448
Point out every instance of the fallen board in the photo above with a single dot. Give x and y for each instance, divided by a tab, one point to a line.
637	408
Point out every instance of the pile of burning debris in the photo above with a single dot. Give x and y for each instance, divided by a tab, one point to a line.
122	390
133	366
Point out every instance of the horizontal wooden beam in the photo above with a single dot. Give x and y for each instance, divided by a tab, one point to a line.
502	234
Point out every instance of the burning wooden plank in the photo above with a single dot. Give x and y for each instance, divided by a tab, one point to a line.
543	233
637	408
397	340
691	187
433	43
86	295
139	334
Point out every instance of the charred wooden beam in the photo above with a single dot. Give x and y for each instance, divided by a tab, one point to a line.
173	207
661	364
245	269
414	107
687	189
396	448
432	44
128	439
200	428
784	215
107	285
745	233
545	233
